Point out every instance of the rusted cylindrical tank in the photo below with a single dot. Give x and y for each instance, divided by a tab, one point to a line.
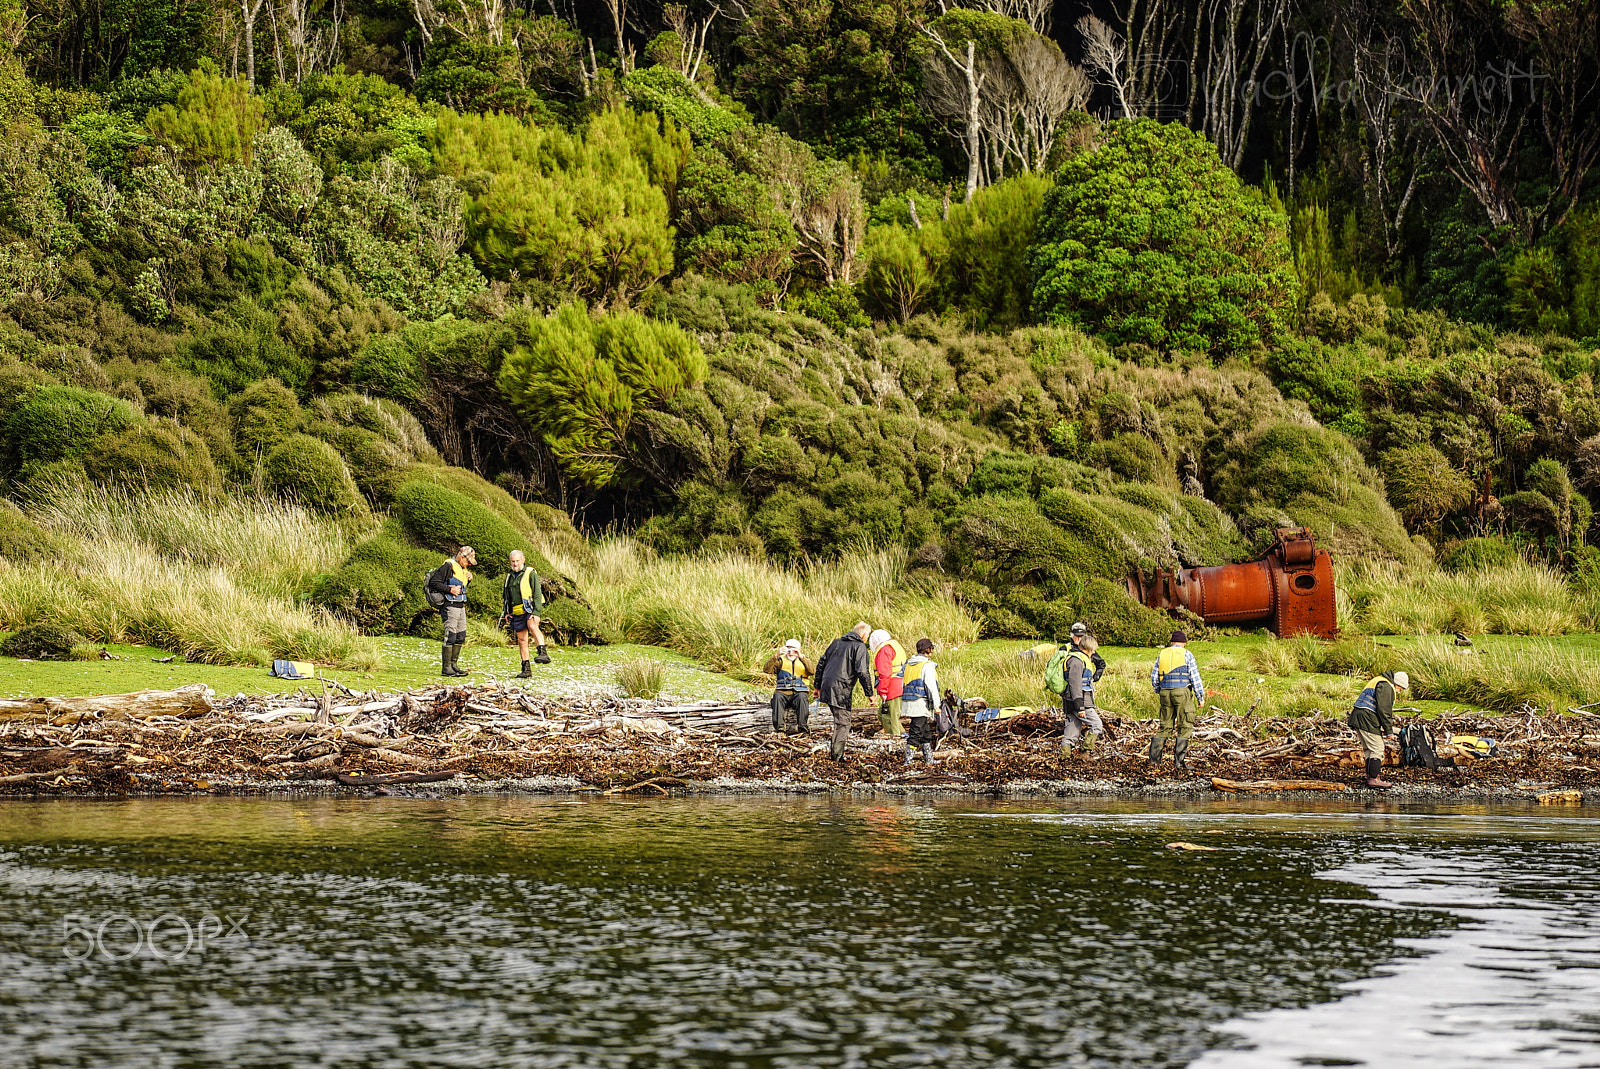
1290	589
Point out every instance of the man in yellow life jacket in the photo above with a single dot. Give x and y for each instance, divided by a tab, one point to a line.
447	591
1372	716
791	688
1179	692
523	600
919	701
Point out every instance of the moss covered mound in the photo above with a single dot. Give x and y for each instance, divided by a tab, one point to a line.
264	414
1292	474
155	454
444	520
41	641
55	423
312	472
471	485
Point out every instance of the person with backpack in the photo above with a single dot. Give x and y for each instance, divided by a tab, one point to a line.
1372	717
446	590
1070	675
791	673
889	663
523	600
1081	724
1080	631
845	663
919	701
1179	693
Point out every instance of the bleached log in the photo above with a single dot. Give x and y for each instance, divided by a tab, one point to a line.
188	701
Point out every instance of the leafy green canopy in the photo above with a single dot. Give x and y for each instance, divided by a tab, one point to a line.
585	211
580	379
1151	238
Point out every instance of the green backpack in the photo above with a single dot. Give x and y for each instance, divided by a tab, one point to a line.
1055	673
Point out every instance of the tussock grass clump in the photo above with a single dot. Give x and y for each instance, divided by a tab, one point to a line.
1544	674
1518	598
732	611
640	678
269	546
213	580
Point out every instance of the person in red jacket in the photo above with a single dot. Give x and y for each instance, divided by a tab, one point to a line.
889	665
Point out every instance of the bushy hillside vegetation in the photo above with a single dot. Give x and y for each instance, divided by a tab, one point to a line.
797	282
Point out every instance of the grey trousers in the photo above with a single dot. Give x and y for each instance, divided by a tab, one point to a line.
797	701
454	618
841	726
1077	722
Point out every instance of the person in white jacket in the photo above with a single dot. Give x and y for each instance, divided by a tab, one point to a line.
919	701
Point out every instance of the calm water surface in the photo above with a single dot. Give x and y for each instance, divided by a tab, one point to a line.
792	933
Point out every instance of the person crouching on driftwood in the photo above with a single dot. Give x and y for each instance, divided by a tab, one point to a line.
792	687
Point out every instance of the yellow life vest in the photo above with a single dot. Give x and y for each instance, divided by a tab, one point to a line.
1172	665
1368	698
520	608
897	660
915	689
792	674
462	576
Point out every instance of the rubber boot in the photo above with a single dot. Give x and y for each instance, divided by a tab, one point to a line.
526	673
1157	746
1375	774
927	753
910	754
1089	739
455	660
544	656
446	656
1180	750
802	720
835	752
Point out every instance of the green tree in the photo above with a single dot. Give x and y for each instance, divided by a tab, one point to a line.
902	269
214	120
987	239
581	380
1151	238
577	210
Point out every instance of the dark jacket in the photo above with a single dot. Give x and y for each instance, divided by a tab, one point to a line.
1379	721
1095	659
846	662
439	580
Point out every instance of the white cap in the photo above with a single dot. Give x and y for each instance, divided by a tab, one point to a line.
878	638
1402	681
792	644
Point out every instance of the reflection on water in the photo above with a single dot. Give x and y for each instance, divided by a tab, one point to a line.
786	933
1518	984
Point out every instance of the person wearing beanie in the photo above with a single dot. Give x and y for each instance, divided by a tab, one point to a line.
791	688
919	701
1179	692
1372	717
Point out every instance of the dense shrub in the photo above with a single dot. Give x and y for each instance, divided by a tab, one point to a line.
21	539
1293	474
312	472
380	587
153	454
1478	555
445	520
54	423
479	489
264	414
1150	238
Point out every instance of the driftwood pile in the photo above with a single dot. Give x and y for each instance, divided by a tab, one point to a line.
187	741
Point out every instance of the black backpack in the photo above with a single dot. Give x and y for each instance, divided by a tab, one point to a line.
1416	749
